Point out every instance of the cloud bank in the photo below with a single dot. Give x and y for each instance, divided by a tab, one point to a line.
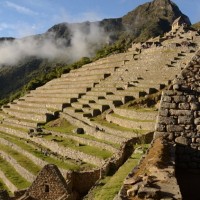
84	40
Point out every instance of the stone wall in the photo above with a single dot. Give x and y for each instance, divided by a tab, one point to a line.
35	159
21	170
7	182
179	115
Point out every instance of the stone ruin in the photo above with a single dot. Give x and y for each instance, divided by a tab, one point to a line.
178	122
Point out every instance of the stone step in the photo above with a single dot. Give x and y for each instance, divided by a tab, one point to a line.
98	93
103	64
79	105
78	113
63	81
70	86
143	114
131	123
18	125
100	107
51	100
123	99
124	135
153	87
55	91
93	111
99	88
134	93
110	84
57	106
88	77
24	108
41	118
24	123
111	103
92	71
91	97
85	101
59	95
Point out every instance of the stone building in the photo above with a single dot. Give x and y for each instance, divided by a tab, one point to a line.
180	21
49	185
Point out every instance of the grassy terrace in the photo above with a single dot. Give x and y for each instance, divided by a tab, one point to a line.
21	159
103	122
27	146
91	150
131	119
67	128
112	184
13	175
3	186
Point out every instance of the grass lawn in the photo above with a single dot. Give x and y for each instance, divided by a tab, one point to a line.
108	187
21	159
13	175
90	150
68	165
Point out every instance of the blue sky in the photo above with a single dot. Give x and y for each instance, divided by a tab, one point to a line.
20	18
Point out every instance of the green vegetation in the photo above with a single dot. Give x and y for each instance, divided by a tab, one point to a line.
117	127
108	187
13	175
63	126
131	119
37	77
196	26
26	145
3	186
90	150
21	159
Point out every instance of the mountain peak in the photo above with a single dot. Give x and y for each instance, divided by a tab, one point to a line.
161	2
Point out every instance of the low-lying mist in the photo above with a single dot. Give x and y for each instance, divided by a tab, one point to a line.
83	41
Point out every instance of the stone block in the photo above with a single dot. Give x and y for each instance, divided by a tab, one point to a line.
179	99
167	99
181	112
195	106
198	128
184	106
175	128
164	112
197	121
166	120
181	140
168	105
185	120
160	127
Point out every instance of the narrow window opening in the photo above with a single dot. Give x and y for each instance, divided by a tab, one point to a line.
46	188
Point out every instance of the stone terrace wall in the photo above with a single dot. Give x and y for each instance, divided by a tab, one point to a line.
179	115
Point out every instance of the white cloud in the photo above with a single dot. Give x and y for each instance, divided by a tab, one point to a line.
84	41
20	9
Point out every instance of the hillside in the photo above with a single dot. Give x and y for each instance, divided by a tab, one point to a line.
64	38
96	122
196	26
